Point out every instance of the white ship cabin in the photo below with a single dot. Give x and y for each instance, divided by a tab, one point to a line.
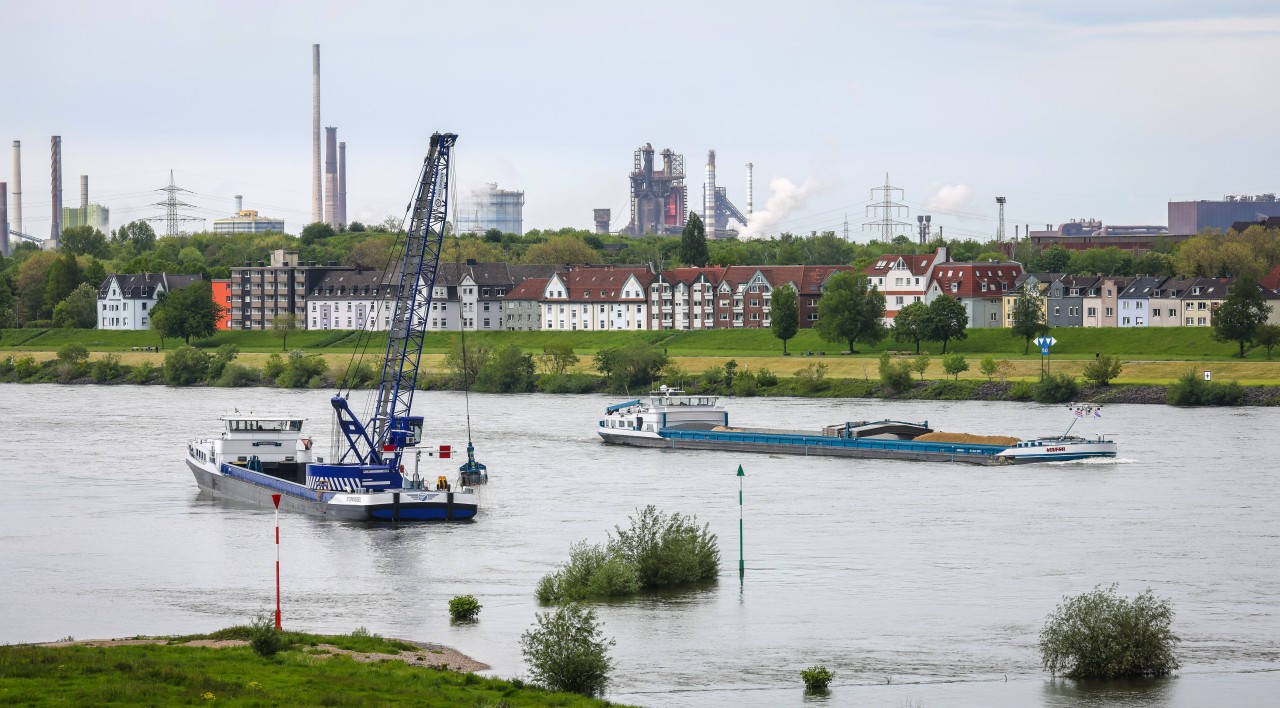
667	408
274	442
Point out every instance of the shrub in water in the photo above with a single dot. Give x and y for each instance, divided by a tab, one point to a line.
567	651
1100	635
817	678
592	571
464	608
667	549
1055	388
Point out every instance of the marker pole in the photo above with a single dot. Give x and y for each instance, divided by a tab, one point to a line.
275	498
742	564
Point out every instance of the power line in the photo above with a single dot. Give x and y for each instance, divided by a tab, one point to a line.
171	204
887	209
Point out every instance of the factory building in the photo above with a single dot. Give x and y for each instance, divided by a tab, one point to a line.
659	198
1190	218
1083	234
247	221
491	208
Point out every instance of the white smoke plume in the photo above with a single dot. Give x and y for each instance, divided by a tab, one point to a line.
952	199
785	197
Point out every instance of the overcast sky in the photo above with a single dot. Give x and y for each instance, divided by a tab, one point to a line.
1078	108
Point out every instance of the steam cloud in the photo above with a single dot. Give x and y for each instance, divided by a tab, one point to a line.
784	198
950	199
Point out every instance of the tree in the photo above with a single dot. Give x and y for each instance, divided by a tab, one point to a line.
316	232
508	370
947	320
1240	315
79	309
282	325
1028	318
784	317
1102	370
185	365
356	227
187	312
30	282
912	324
921	365
1267	336
1054	259
851	310
83	241
1100	635
138	234
988	367
561	250
693	242
559	358
8	303
632	366
567	651
63	278
954	364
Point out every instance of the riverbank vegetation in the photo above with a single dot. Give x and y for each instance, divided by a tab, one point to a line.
305	672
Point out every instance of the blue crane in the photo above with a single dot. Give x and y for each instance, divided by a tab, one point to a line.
380	442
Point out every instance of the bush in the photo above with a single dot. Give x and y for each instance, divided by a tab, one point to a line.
1100	635
632	367
107	369
921	365
464	608
25	367
667	550
185	365
1102	370
264	637
895	375
302	371
507	370
766	378
224	355
569	383
144	373
989	368
1055	388
954	364
816	678
567	651
73	353
273	367
1022	390
1191	390
813	378
360	375
745	384
238	376
592	571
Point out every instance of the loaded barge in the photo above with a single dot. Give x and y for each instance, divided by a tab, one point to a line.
672	419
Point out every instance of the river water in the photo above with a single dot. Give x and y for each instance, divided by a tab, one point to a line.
916	583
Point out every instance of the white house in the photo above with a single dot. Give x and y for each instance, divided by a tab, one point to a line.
126	301
595	298
350	299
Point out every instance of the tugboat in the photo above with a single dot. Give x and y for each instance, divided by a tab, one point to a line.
258	456
675	420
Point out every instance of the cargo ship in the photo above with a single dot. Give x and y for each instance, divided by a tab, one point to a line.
672	419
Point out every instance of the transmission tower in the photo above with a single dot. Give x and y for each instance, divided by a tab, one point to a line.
846	227
1000	225
171	206
887	209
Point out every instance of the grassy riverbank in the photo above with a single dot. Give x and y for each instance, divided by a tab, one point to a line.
210	670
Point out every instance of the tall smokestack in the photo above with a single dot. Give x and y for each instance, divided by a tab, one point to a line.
4	219
84	191
239	203
342	185
709	194
55	160
316	213
330	175
17	186
750	188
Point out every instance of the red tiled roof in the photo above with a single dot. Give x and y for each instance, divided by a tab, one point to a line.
917	264
597	284
528	289
969	278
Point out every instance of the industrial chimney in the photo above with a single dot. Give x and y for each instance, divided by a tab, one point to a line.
55	160
750	187
17	187
4	219
84	193
316	196
330	175
709	195
342	185
602	218
239	203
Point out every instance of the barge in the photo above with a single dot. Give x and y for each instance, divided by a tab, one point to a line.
675	420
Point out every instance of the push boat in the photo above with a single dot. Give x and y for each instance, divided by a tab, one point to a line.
257	457
673	419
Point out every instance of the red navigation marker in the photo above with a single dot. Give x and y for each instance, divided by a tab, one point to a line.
275	499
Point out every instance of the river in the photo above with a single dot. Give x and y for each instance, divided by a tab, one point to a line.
916	583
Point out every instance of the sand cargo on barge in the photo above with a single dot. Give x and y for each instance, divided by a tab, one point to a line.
676	420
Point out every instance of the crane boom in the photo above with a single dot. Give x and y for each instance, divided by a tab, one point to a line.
392	428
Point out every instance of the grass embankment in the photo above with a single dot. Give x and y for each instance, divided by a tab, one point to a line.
308	674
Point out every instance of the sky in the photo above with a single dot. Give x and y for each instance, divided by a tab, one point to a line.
1068	108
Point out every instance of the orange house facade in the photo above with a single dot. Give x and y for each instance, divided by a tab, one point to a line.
222	296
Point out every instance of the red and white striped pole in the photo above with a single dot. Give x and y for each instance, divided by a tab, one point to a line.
275	499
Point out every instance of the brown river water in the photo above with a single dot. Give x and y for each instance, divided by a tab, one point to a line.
918	584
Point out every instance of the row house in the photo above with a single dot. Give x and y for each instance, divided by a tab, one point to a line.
1134	303
1034	283
520	309
1101	304
980	287
596	298
1201	299
1066	298
903	279
1166	302
351	299
473	295
126	301
730	297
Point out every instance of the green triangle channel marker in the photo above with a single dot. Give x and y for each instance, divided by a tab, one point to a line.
742	565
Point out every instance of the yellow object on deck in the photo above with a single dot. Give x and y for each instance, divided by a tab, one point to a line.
1005	440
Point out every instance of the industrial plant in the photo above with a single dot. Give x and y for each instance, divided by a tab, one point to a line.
660	198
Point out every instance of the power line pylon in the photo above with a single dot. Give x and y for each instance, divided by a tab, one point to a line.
171	206
887	209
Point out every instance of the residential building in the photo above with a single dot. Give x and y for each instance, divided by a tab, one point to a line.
222	296
1066	298
1035	283
1134	304
474	293
1201	299
1101	301
903	279
126	301
247	221
520	309
491	208
351	299
596	298
262	291
980	287
1166	302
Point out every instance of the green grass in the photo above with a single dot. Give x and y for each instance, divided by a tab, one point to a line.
177	674
356	641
